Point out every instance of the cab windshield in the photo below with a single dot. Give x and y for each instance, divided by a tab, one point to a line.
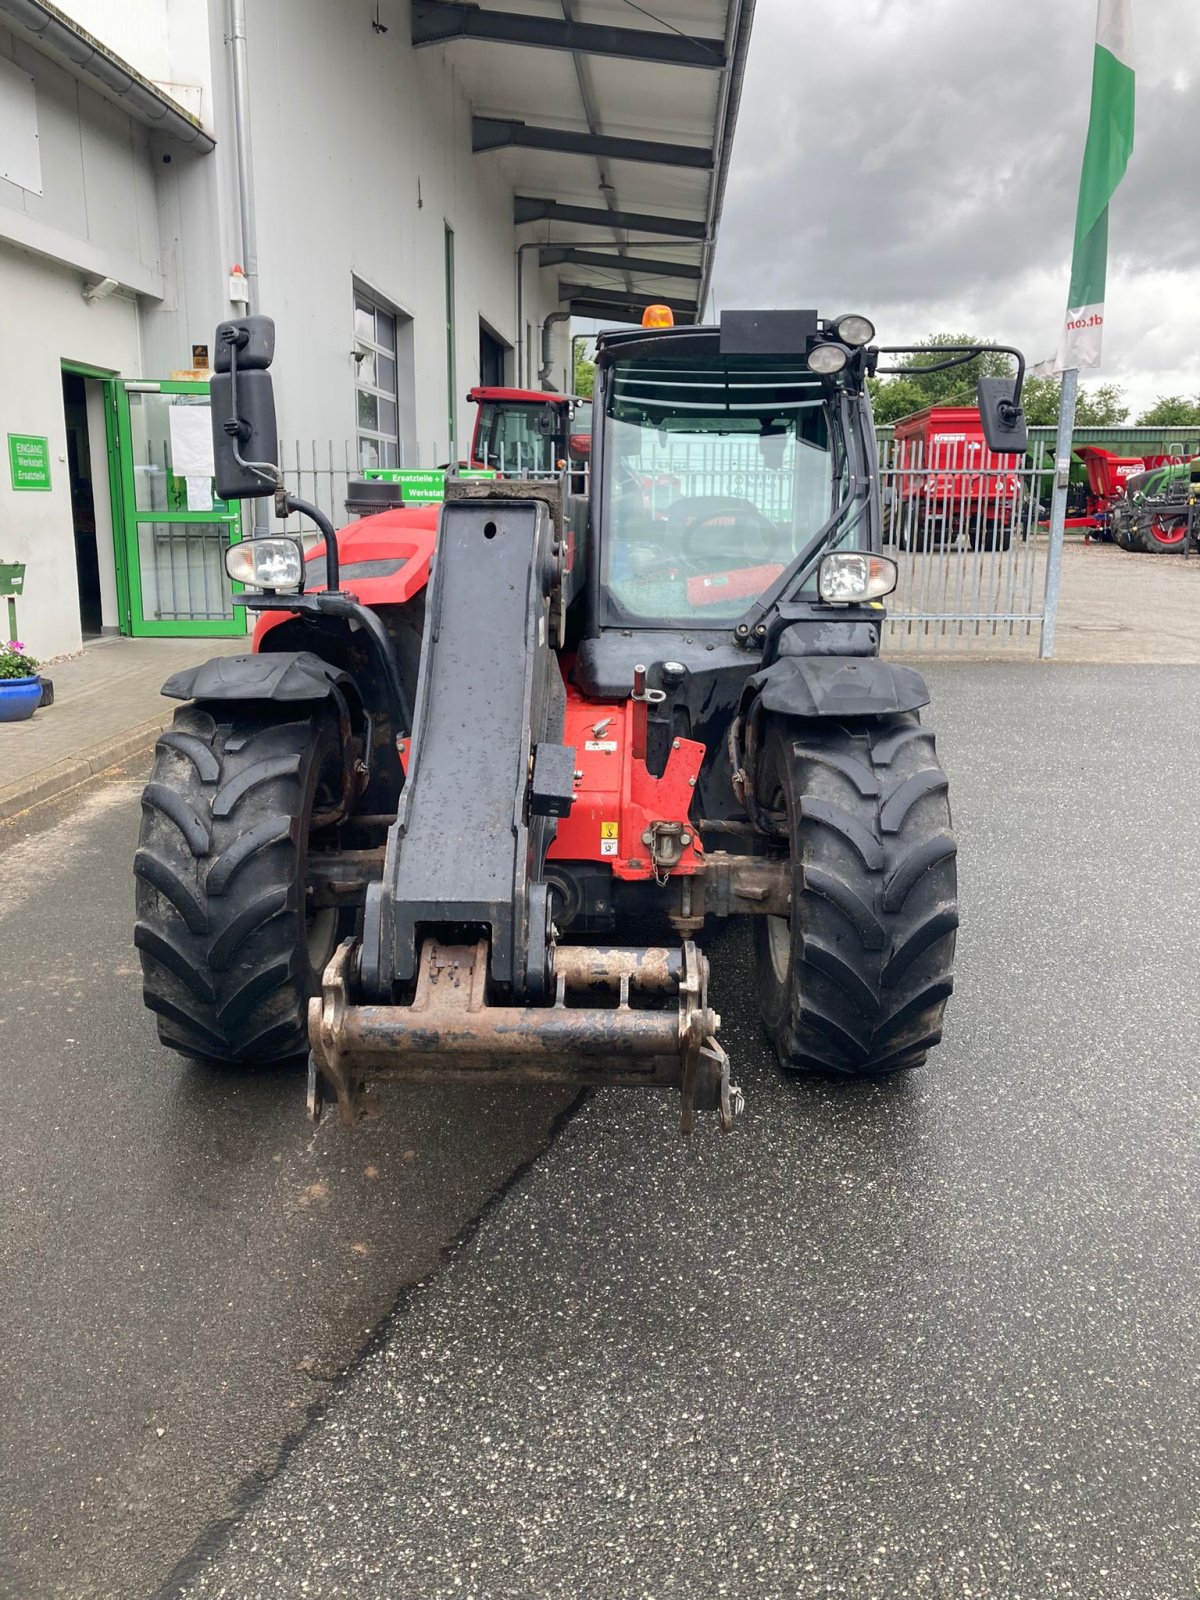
512	437
717	473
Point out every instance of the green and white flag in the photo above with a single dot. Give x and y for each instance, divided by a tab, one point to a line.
1109	143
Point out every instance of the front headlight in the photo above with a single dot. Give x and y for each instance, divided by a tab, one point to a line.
266	563
852	577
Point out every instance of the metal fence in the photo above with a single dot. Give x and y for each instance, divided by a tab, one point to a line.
963	527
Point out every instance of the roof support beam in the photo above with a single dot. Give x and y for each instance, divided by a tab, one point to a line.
527	208
564	255
620	298
439	21
495	133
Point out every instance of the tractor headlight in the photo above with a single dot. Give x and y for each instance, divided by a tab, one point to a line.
266	563
852	577
827	358
855	330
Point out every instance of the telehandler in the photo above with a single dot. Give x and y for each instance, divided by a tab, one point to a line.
412	831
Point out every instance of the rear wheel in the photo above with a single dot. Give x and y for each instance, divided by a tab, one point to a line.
230	950
1160	535
854	983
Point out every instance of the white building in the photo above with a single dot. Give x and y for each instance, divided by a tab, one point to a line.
428	190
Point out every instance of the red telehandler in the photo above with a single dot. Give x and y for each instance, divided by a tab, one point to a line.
416	830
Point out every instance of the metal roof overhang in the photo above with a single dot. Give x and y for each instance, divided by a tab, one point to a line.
612	123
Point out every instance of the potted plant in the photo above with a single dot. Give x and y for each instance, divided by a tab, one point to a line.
20	686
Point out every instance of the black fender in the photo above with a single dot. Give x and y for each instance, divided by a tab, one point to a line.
832	687
289	678
287	675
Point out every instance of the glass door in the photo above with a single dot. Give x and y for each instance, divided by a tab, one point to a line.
176	531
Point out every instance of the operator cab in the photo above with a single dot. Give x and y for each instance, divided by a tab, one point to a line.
521	433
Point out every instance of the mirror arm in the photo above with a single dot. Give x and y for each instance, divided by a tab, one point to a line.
286	503
961	354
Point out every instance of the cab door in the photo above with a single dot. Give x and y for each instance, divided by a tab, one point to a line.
171	575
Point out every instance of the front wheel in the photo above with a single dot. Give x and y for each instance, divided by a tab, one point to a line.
854	983
230	948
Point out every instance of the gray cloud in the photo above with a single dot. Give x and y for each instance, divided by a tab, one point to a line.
919	160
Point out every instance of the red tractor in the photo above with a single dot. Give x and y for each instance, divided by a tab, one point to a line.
420	830
528	433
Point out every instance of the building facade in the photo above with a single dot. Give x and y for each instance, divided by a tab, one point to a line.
363	197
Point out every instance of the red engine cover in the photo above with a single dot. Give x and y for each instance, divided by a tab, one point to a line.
384	560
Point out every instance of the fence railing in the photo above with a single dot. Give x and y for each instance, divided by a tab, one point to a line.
962	525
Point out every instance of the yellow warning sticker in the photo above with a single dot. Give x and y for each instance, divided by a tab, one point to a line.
608	839
608	830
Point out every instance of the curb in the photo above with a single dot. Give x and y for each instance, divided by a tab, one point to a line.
69	774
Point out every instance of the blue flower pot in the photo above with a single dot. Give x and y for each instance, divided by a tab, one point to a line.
19	698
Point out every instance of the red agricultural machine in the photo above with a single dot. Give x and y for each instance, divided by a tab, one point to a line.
1139	502
419	831
946	483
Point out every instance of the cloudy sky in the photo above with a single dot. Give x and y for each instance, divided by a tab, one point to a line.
918	160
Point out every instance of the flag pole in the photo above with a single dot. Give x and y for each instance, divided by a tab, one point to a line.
1058	506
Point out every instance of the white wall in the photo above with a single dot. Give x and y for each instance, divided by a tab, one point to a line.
362	148
135	30
97	208
44	321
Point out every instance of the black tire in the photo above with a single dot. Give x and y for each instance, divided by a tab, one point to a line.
854	983
1149	534
991	536
229	954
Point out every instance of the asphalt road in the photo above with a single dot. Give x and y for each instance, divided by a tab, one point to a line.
937	1338
932	1339
186	1264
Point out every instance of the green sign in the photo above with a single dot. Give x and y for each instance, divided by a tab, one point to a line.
29	461
422	487
12	577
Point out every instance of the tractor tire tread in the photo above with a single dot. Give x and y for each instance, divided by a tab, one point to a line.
874	909
220	922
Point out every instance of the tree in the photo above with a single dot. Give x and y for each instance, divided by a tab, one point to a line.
1172	411
585	372
914	388
1101	407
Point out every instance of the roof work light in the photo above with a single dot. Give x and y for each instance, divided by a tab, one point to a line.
658	317
827	358
855	330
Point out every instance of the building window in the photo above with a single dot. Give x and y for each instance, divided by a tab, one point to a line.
375	385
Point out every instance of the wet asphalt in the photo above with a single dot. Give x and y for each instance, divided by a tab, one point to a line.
186	1264
934	1338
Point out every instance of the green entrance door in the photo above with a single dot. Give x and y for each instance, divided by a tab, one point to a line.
172	553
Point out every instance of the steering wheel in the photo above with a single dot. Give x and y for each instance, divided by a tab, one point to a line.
741	527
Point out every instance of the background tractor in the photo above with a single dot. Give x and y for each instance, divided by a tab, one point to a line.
1153	512
415	829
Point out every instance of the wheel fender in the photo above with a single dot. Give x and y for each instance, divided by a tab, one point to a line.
284	675
833	686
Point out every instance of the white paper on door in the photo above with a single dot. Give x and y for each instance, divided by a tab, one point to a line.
191	441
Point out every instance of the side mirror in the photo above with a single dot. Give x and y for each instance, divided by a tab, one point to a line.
547	423
245	435
1003	421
